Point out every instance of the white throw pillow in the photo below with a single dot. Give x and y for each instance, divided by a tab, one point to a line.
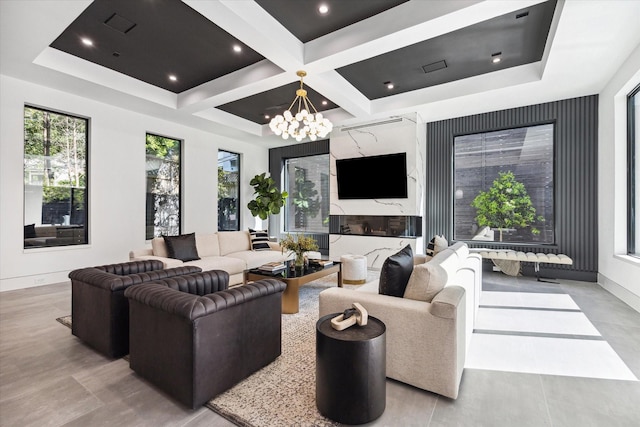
437	244
426	281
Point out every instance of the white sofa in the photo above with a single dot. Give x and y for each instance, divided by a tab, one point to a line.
426	341
225	250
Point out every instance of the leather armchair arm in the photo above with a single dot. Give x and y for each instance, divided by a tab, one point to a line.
114	282
202	283
191	307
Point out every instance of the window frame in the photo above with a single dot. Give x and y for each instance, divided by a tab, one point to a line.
239	201
632	141
180	174
285	187
87	134
554	162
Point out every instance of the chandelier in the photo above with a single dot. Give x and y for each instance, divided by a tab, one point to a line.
304	123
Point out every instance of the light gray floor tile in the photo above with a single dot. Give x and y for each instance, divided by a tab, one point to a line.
490	399
585	402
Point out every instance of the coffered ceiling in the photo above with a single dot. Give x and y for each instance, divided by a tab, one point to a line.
228	65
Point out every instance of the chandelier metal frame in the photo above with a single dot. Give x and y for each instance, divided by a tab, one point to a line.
307	122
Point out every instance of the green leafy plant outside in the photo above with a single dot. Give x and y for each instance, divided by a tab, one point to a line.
506	205
268	199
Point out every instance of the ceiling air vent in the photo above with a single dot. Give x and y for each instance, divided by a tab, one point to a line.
434	66
119	23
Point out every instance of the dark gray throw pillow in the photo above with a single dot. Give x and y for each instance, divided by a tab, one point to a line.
395	273
30	231
182	247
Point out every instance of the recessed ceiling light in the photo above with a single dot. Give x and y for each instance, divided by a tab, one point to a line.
389	85
173	78
237	48
267	117
87	42
324	102
496	60
496	57
323	9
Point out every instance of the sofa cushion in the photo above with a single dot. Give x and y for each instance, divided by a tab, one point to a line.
426	281
182	247
159	247
259	240
207	245
254	259
395	273
229	264
233	241
436	244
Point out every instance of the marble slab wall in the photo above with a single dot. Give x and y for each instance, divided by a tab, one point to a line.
376	249
395	135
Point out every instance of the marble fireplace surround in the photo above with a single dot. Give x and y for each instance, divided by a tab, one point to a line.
382	235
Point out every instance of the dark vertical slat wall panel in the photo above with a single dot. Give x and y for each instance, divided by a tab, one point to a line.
277	156
575	179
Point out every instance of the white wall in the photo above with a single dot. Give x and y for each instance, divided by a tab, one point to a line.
617	272
117	183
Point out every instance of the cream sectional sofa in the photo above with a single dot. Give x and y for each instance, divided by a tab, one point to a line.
225	250
426	341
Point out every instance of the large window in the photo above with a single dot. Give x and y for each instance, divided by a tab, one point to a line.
55	179
633	119
307	182
228	191
503	185
163	186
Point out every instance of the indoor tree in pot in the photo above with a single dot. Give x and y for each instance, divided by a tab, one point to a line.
268	199
506	204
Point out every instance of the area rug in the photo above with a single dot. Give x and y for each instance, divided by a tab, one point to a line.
282	393
65	320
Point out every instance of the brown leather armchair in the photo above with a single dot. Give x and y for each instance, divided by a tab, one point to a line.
195	347
99	309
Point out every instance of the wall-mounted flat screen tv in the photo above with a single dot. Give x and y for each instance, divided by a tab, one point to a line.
372	177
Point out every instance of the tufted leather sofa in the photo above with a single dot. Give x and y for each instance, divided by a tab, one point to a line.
194	338
99	309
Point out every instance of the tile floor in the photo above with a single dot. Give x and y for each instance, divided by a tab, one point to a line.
543	354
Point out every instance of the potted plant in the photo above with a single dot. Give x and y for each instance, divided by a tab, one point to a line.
506	205
299	245
268	199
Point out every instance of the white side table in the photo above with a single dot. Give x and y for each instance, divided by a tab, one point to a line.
354	269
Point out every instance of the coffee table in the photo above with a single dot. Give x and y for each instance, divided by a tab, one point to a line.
293	279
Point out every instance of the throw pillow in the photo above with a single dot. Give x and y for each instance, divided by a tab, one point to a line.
437	244
182	247
29	231
259	240
426	281
395	273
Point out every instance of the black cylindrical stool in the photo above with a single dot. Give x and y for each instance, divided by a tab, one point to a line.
351	371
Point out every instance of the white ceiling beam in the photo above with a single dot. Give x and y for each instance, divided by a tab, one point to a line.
401	26
74	66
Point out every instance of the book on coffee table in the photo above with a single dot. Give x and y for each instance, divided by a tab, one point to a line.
321	262
273	267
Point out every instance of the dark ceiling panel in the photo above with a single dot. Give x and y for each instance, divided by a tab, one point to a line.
302	19
167	37
273	102
467	52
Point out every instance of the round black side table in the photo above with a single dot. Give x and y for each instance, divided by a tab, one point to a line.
351	371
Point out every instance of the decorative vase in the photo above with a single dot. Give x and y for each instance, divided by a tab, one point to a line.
299	261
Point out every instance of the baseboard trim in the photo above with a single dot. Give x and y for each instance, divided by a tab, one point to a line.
622	293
